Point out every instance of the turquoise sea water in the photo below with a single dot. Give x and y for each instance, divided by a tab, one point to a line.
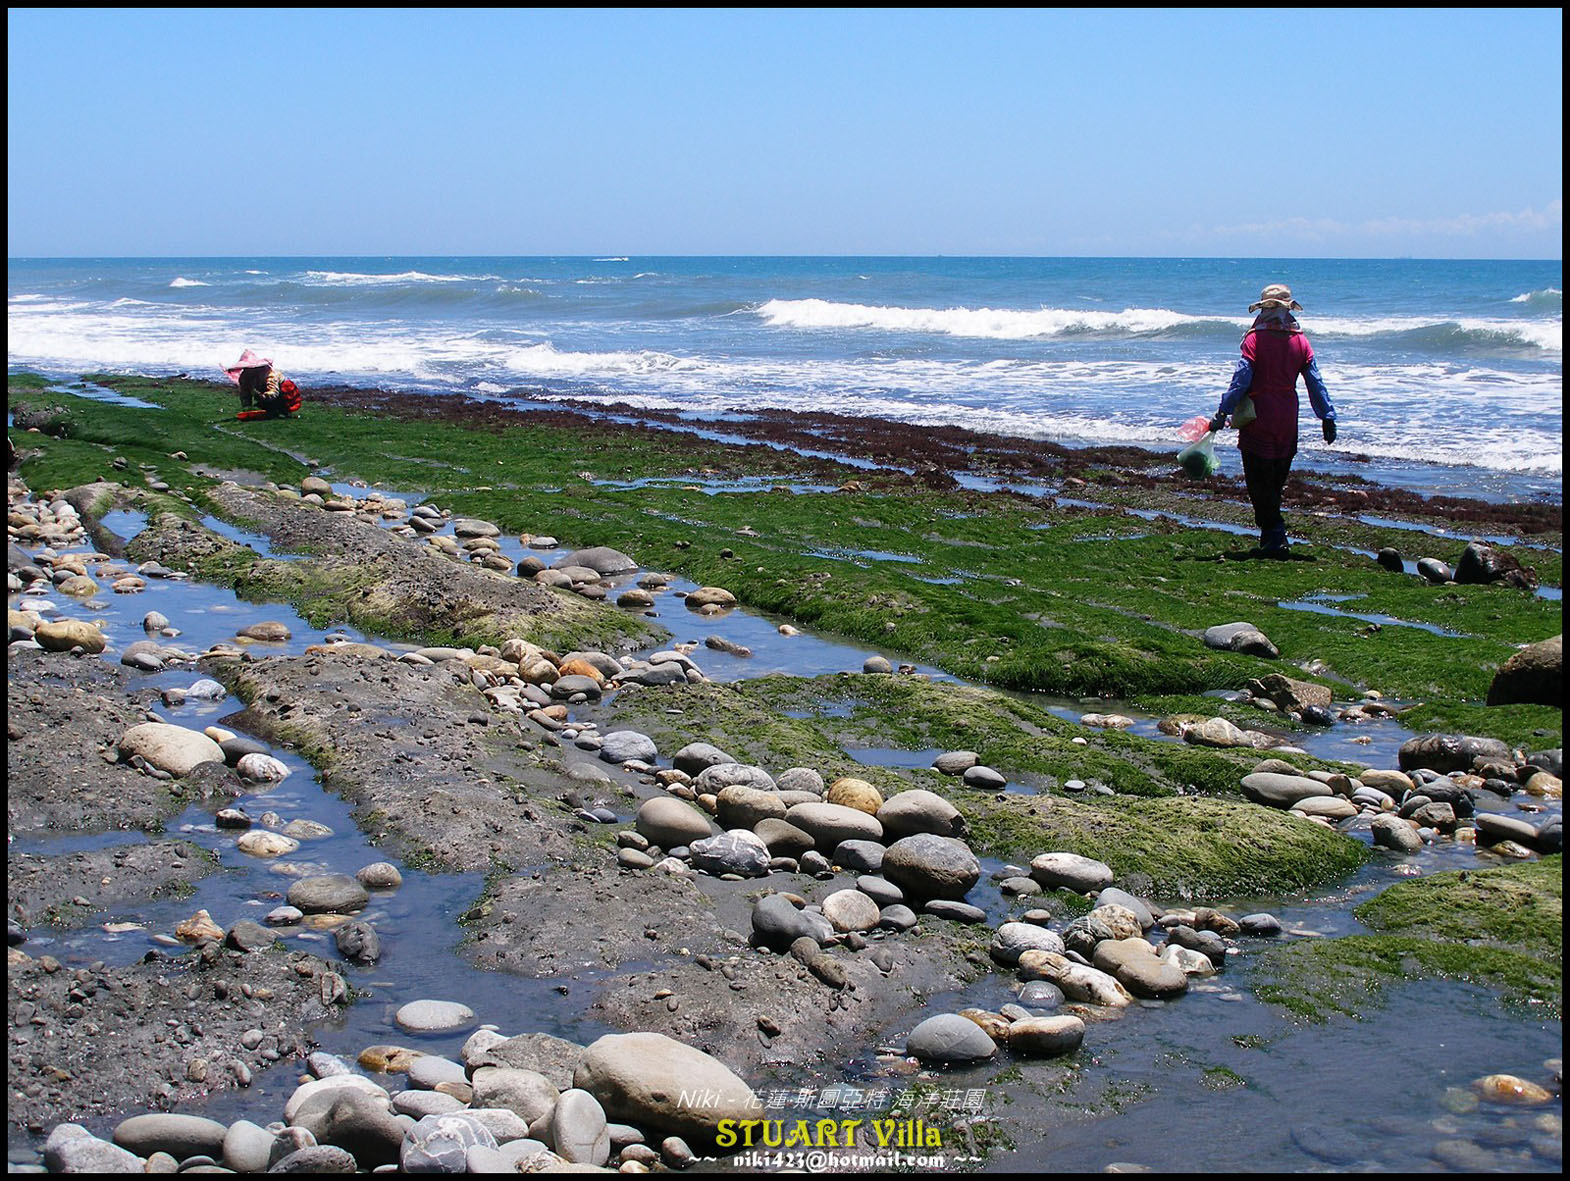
1447	376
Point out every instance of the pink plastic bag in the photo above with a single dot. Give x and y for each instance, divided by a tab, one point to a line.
1194	429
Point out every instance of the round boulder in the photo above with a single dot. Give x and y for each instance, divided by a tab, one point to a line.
949	1040
855	793
739	806
917	811
670	823
170	748
1069	871
62	635
829	824
328	893
930	866
1533	676
655	1082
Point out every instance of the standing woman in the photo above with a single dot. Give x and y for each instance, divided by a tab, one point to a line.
1275	352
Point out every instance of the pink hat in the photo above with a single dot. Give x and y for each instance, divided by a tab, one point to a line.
248	360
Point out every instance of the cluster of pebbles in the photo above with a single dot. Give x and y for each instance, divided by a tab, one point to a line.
633	1103
1444	789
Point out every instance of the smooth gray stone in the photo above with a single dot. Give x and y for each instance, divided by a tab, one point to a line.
333	893
428	1070
602	559
906	813
248	1148
859	856
480	1159
715	779
419	1104
1241	637
429	1016
178	1135
777	923
984	778
1207	943
621	746
528	1093
799	780
578	1129
1070	871
1391	832
363	1126
929	866
1491	827
1046	1037
880	889
1260	924
502	1122
1281	791
1041	994
948	1040
1014	939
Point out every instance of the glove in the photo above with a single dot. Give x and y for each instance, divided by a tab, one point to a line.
1218	422
1329	426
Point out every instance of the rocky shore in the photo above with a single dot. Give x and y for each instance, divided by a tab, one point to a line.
698	870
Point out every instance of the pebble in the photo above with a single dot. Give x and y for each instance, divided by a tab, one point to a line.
428	1016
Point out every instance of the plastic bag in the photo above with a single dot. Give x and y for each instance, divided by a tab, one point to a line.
1245	412
1198	459
1194	429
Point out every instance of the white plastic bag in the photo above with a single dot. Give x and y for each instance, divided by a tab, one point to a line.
1198	460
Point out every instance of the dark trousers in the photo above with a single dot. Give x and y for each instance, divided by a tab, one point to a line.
1265	479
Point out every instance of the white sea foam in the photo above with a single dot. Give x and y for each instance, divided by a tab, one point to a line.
357	279
1546	295
1023	324
181	281
1542	334
611	260
988	323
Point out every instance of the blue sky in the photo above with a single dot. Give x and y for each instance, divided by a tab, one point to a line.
1272	133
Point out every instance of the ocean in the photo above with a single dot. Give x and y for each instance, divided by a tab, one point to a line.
1447	375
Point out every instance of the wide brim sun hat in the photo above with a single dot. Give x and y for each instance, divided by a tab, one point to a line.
1277	295
248	360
